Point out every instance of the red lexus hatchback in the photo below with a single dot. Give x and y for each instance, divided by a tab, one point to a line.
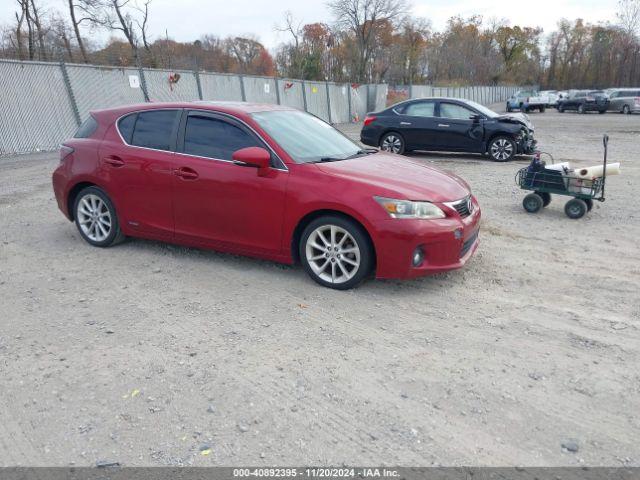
266	181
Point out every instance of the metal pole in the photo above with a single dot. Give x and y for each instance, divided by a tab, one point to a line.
304	96
349	100
72	98
275	80
198	84
242	92
326	84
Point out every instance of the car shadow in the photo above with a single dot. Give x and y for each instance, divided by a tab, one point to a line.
471	157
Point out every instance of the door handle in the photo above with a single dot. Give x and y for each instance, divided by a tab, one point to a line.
186	173
114	161
443	125
405	123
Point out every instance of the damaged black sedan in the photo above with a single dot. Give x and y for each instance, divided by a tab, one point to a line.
448	125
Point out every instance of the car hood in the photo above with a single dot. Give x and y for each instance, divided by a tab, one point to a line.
520	118
399	177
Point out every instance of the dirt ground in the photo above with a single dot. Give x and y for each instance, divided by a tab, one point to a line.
152	354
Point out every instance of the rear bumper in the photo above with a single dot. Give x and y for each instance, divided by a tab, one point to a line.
447	244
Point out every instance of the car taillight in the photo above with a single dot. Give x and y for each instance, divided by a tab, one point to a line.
65	152
369	119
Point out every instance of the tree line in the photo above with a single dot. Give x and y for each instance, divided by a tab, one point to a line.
369	41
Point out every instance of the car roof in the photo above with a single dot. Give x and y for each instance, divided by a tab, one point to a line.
233	108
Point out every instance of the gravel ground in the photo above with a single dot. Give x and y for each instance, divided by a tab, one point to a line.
152	354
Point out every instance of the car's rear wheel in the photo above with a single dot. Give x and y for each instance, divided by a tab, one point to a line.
392	142
560	109
336	252
602	111
502	149
626	110
96	218
542	109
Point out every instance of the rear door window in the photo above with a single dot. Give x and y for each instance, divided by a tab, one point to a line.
154	129
421	109
211	137
125	126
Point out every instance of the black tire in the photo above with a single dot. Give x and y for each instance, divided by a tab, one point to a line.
526	109
104	228
546	198
602	111
542	109
581	108
626	110
394	142
532	203
357	237
560	109
509	109
589	203
575	208
501	148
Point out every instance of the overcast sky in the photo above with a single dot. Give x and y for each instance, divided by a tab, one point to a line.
187	20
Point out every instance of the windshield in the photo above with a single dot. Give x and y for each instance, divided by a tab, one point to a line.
483	110
304	137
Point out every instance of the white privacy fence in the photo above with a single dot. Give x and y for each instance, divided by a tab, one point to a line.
42	104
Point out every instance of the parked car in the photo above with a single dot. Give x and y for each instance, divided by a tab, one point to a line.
584	101
265	181
551	96
448	124
624	100
527	100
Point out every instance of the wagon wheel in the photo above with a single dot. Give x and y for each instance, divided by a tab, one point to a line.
575	208
532	203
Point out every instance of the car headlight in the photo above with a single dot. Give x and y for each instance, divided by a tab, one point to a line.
408	209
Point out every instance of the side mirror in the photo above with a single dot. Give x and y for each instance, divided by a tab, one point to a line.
256	157
476	117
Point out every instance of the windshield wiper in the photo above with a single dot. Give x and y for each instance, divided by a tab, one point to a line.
359	153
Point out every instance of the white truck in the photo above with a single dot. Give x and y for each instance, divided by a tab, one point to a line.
527	100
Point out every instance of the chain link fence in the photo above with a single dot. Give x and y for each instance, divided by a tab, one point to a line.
42	104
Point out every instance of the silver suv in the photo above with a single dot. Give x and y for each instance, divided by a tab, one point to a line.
625	100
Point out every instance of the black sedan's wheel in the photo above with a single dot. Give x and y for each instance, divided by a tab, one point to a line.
575	208
602	111
532	202
509	109
542	109
581	108
335	252
560	109
96	218
502	149
392	142
626	110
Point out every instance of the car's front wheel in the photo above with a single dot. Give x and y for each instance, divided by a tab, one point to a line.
502	149
336	252
96	219
392	142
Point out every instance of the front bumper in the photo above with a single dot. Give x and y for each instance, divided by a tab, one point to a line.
447	243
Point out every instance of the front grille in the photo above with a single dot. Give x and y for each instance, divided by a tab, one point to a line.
468	243
464	207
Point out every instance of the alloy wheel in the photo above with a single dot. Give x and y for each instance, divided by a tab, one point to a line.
392	143
94	218
501	149
333	254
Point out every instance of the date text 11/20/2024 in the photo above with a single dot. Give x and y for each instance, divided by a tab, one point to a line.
316	472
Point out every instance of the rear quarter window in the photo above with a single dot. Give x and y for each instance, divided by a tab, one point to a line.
87	128
125	127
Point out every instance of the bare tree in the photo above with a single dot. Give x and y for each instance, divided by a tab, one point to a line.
629	16
362	17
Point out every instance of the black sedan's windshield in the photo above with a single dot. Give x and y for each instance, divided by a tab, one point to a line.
306	138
